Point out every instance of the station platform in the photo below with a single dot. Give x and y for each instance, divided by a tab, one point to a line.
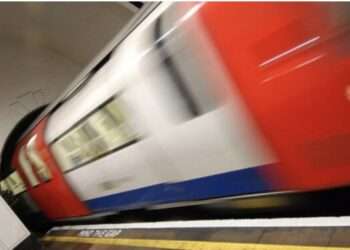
257	234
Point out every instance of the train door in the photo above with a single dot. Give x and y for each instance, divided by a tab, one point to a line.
45	182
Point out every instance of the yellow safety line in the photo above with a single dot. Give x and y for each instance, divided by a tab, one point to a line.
183	244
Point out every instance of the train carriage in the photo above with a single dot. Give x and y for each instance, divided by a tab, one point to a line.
199	101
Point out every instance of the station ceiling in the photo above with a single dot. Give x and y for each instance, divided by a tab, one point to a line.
43	46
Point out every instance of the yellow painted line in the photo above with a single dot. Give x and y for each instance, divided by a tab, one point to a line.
182	244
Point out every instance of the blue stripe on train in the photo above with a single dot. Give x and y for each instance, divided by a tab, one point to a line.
246	181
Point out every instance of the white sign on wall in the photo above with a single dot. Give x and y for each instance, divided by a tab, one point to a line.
12	230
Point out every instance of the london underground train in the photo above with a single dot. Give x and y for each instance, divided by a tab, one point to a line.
196	102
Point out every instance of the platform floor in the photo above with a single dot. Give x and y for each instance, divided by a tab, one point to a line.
332	238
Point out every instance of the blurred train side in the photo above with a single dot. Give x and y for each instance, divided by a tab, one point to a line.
200	101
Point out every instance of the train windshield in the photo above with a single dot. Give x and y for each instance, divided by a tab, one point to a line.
36	160
27	168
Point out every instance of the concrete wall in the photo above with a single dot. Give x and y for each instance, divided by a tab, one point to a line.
43	46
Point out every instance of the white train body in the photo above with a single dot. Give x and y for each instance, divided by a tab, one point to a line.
161	120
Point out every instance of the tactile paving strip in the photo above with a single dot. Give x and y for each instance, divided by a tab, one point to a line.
202	239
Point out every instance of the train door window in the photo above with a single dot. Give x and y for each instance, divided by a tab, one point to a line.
103	131
67	152
112	127
36	160
27	168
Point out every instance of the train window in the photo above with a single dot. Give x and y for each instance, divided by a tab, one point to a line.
15	184
102	132
27	168
3	186
37	162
